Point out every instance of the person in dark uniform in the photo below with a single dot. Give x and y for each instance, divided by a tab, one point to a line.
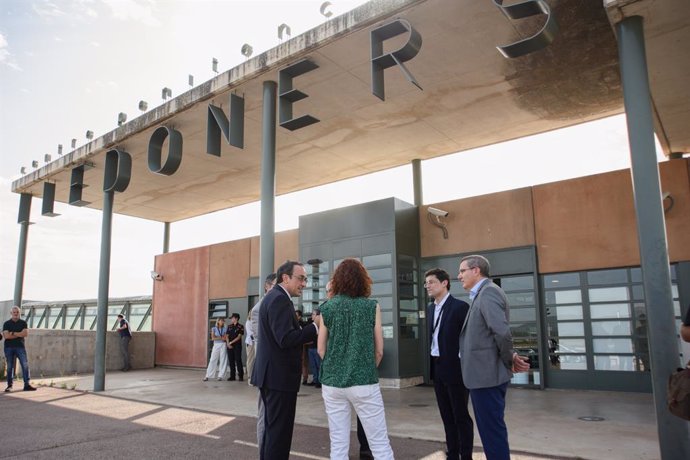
235	334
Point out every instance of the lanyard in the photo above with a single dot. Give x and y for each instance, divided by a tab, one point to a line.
438	319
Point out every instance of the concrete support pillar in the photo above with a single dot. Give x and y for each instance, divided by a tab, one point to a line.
268	184
417	181
23	219
103	289
674	441
166	238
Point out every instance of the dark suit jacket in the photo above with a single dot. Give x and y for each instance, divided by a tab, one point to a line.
447	366
279	350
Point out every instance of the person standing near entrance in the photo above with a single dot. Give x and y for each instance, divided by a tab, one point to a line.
486	354
15	330
445	316
235	334
125	338
277	369
218	363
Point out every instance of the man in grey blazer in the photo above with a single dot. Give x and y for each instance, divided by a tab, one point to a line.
486	355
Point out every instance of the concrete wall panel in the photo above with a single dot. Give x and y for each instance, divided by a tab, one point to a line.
286	247
55	353
229	269
180	307
498	220
589	222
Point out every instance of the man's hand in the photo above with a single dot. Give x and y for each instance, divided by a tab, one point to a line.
317	320
520	363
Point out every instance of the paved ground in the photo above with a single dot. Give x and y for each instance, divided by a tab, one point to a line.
170	413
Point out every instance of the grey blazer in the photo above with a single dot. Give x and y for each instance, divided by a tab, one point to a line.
486	345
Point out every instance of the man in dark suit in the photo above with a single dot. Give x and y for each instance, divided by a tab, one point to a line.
445	316
278	366
487	356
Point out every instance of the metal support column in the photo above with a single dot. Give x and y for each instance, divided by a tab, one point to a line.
417	181
166	238
268	184
23	221
674	441
103	286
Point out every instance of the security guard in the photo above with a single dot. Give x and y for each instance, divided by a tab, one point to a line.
235	334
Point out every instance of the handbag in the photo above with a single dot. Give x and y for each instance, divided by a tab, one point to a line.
678	396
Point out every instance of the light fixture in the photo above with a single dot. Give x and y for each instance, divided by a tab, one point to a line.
143	106
22	170
155	276
59	149
284	29
34	164
89	135
74	143
166	93
190	80
214	65
121	118
246	50
47	158
324	7
434	216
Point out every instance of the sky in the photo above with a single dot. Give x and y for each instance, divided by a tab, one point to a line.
68	66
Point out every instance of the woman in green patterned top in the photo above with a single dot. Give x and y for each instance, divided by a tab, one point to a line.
351	345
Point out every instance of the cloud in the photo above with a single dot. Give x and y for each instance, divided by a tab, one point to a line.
134	10
6	57
47	9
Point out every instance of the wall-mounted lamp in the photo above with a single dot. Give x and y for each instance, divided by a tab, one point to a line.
59	149
190	80
324	8
47	158
214	65
89	135
166	93
246	50
434	216
22	170
34	164
143	106
155	276
74	143
121	118
668	201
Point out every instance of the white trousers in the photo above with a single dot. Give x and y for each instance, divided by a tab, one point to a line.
218	353
368	404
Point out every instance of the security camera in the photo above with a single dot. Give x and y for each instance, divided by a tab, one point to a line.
156	276
437	212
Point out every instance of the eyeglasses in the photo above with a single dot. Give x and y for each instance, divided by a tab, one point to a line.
463	270
302	278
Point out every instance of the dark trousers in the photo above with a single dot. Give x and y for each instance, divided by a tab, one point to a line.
235	359
124	351
457	422
279	421
489	407
11	354
362	438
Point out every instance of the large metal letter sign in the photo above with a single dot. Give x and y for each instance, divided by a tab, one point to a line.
118	171
380	61
75	187
174	151
541	39
288	95
233	130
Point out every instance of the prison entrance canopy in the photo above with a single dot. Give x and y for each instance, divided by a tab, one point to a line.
388	83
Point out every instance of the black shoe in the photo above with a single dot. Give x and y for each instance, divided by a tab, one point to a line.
241	379
231	379
365	454
29	388
8	389
310	384
317	385
304	382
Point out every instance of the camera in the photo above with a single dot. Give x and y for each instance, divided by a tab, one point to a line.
437	212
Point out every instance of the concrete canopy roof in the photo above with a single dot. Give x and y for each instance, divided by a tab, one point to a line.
472	96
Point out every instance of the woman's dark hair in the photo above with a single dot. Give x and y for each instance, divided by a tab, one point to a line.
351	279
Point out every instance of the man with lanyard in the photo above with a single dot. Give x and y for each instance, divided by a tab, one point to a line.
125	337
235	334
14	331
446	315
